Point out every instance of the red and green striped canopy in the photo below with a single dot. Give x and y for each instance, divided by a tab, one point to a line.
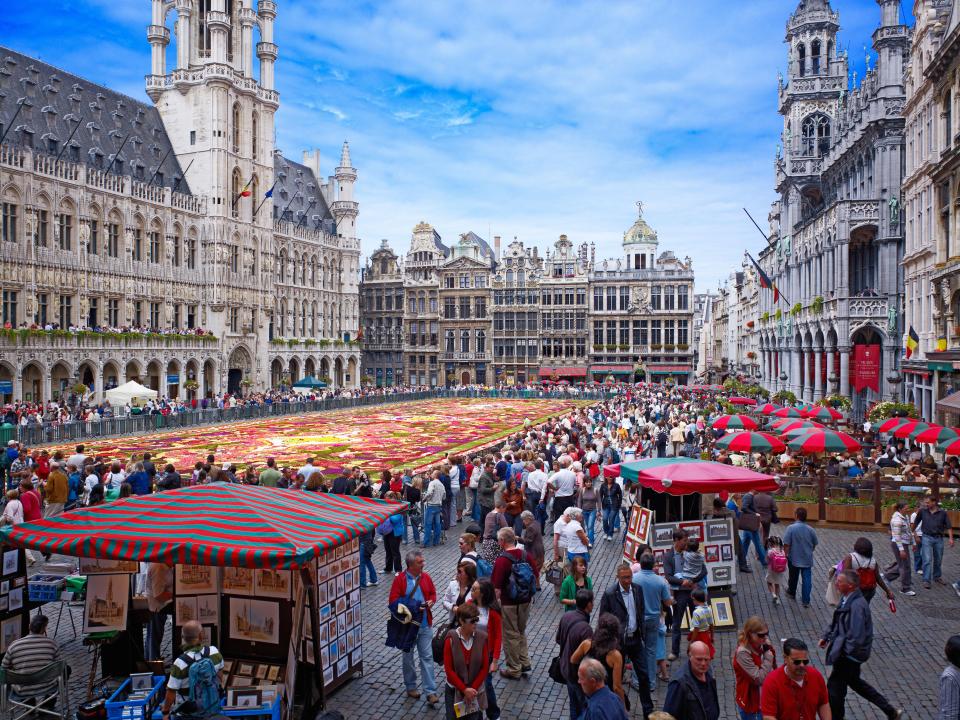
768	408
787	412
751	442
934	435
909	429
821	440
735	422
891	423
221	524
822	412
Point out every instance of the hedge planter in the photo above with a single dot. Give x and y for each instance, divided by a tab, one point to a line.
850	513
786	509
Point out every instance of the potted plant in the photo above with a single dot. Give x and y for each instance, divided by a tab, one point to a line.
817	305
191	385
849	510
836	401
785	397
246	383
884	410
80	389
796	309
787	505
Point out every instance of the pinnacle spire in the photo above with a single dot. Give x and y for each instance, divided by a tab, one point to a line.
345	155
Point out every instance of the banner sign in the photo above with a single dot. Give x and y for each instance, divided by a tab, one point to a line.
866	367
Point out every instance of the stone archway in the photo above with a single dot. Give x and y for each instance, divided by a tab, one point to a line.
309	367
7	374
60	381
239	367
32	382
153	377
351	379
133	371
276	372
338	373
465	377
325	370
294	369
111	375
209	378
172	380
192	371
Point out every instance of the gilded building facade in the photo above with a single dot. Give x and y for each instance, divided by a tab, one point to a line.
170	242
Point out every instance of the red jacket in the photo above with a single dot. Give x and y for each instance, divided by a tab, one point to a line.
399	589
452	676
31	506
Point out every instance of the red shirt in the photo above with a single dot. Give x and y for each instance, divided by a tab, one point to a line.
783	699
452	676
31	506
502	569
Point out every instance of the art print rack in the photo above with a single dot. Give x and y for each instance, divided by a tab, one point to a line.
14	609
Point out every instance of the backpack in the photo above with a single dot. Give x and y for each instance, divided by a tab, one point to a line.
520	582
204	684
867	573
662	437
614	456
484	568
777	560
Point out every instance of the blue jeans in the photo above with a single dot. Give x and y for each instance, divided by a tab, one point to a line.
610	517
917	557
590	523
744	715
431	525
578	700
366	566
804	576
409	525
932	551
651	630
493	710
424	649
753	536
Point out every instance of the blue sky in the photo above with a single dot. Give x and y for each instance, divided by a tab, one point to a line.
523	119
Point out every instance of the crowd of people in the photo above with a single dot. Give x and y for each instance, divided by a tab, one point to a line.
527	516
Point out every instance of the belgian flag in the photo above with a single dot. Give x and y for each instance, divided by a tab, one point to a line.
913	342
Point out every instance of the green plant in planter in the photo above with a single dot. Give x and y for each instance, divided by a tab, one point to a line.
778	314
765	317
785	397
80	389
884	410
817	305
293	342
796	309
191	385
836	401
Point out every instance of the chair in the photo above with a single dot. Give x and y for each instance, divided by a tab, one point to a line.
11	701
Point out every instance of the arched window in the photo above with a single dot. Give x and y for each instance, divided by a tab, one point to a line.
450	340
235	134
815	136
235	191
815	57
801	59
255	195
465	341
254	139
303	270
65	226
282	267
481	341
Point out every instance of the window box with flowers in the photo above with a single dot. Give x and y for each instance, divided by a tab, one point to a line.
752	355
750	324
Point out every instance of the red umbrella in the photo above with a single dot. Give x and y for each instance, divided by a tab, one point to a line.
822	412
787	412
741	401
891	423
735	422
822	440
908	428
750	442
788	424
768	409
934	435
951	449
682	476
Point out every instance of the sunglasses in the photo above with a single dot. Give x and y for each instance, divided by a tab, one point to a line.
763	634
800	662
473	621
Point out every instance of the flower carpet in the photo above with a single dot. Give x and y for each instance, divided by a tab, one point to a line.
412	434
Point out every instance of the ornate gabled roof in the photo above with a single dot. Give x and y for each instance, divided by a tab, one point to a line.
297	196
94	122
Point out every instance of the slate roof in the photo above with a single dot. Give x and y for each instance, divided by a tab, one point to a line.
57	102
296	193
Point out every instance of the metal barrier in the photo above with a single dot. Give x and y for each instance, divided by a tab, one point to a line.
47	433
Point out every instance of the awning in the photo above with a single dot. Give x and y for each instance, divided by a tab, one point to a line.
951	403
669	369
563	372
941	366
612	369
227	525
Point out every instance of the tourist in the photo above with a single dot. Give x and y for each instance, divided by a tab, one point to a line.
681	587
656	599
848	641
611	502
194	651
139	481
624	600
487	485
12	510
417	585
472	505
56	490
776	567
30	654
533	486
753	660
532	538
861	561
270	476
391	540
949	704
170	480
442	474
513	504
309	469
935	523
576	580
577	542
604	647
587	501
749	525
412	494
32	503
468	548
513	570
159	591
692	692
456	502
484	596
432	508
901	543
458	590
701	621
466	662
574	629
601	703
368	545
794	691
563	485
799	542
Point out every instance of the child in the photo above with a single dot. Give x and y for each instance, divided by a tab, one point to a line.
693	563
776	567
701	620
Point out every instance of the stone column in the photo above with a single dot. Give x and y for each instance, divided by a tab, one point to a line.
801	377
844	369
818	374
795	382
18	385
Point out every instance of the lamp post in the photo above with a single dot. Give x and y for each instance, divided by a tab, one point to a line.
834	381
894	378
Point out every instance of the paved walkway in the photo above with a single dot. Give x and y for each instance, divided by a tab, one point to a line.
906	664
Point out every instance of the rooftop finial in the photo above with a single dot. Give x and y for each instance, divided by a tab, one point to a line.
345	155
639	208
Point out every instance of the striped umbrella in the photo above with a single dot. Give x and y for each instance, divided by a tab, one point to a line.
768	409
787	412
228	525
951	448
909	428
741	401
936	435
823	440
789	435
891	423
822	412
750	442
788	424
735	422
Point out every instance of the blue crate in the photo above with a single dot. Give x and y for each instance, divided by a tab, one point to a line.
272	712
45	588
140	709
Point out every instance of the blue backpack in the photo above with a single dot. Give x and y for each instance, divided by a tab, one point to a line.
484	568
204	684
520	584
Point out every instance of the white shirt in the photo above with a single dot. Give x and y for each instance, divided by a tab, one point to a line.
558	528
77	460
565	482
536	480
570	539
308	470
91	480
454	477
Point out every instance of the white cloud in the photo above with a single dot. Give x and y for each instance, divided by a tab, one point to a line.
336	112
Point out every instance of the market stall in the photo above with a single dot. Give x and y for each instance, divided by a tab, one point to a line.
271	575
132	393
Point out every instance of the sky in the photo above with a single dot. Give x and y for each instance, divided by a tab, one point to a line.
520	119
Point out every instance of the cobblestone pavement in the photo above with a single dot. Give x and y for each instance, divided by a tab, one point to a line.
906	663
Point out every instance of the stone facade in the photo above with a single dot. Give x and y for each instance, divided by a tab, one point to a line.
421	317
519	326
382	312
836	228
121	215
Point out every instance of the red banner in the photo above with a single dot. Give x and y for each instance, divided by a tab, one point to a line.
866	367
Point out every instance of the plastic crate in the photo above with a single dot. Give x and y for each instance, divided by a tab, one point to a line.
45	588
118	708
272	711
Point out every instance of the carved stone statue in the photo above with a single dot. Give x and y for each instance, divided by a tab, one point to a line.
892	319
639	299
894	206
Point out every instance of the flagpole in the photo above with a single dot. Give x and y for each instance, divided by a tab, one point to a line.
268	194
240	194
759	230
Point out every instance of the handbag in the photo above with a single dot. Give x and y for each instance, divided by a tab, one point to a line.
749	522
402	629
554	671
554	574
439	639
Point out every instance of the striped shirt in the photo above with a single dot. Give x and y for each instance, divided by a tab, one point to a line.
28	655
180	670
949	694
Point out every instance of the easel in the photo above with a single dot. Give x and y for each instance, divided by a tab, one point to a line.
97	641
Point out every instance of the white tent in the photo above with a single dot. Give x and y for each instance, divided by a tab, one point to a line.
130	392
